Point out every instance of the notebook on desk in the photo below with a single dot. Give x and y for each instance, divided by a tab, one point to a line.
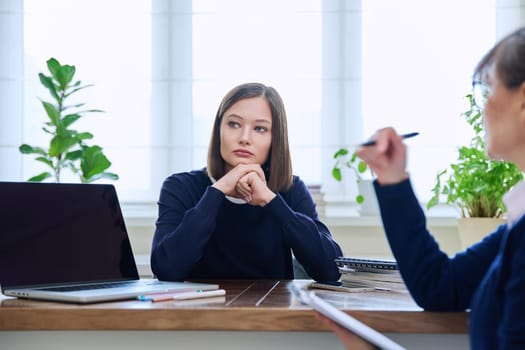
69	242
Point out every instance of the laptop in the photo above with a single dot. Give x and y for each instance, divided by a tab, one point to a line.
69	243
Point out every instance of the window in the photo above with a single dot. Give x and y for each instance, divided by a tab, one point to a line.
344	69
418	59
109	42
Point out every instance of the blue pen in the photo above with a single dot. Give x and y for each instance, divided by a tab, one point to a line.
162	297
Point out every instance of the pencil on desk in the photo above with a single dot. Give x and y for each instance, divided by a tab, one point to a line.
163	296
199	294
182	295
155	297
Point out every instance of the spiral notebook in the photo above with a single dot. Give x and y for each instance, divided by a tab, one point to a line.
370	265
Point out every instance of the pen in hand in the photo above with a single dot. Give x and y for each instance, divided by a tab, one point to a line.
373	142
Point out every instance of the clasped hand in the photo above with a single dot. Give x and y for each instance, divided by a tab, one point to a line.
246	181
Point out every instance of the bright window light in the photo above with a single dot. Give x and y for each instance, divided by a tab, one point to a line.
109	42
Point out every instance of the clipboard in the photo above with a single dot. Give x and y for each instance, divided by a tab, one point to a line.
308	297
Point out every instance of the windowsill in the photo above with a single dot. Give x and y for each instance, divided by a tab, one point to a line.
139	214
347	214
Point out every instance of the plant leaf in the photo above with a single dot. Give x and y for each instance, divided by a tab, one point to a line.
60	144
63	74
104	175
26	149
74	155
433	201
475	184
45	161
66	146
362	167
341	153
40	177
53	66
93	162
336	174
48	83
52	112
84	136
70	119
76	87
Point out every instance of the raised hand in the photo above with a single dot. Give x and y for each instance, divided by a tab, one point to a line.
387	158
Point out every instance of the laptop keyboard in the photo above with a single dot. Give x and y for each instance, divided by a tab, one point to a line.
90	286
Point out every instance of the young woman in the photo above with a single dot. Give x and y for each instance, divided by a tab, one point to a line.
489	277
244	215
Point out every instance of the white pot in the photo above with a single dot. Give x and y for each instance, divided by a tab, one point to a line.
472	230
369	207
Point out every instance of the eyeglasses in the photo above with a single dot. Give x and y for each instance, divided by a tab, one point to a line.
480	93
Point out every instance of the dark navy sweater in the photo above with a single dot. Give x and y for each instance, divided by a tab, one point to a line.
488	278
200	234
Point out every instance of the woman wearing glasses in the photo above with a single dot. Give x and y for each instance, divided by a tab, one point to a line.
245	213
489	277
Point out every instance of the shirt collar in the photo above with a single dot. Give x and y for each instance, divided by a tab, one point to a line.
514	202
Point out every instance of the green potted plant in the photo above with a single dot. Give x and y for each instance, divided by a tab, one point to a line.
67	147
475	184
344	158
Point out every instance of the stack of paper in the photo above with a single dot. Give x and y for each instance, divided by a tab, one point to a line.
380	274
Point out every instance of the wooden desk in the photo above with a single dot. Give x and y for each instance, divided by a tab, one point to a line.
249	306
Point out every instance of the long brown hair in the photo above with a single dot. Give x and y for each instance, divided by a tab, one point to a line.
278	166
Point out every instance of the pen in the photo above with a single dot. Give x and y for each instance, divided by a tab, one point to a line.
153	298
199	294
373	142
162	296
181	296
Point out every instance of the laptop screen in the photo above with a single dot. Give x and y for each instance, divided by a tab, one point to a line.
62	233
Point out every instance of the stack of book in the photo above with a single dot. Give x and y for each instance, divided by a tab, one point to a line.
318	197
367	273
